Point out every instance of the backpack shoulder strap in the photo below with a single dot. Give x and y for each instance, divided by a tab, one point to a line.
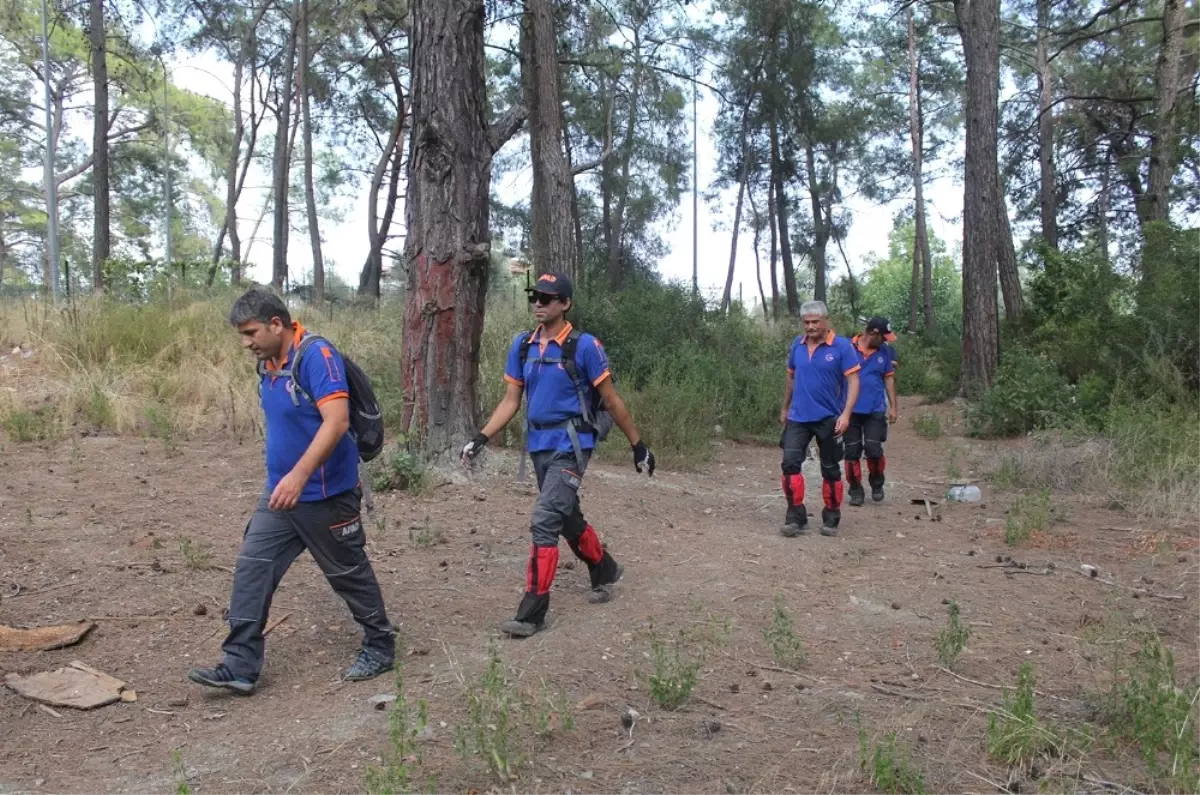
569	346
526	341
294	370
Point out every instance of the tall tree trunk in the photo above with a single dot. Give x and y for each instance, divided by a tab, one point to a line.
1103	204
282	162
916	125
762	295
914	291
448	243
979	26
1155	205
552	238
310	192
820	227
229	224
785	243
771	217
576	219
101	232
1049	192
727	296
618	218
1010	277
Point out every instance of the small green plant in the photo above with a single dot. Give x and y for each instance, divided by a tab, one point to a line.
953	470
674	673
1149	709
887	766
1031	512
28	516
953	639
1009	474
927	425
551	712
29	426
1015	734
396	776
424	535
398	470
98	410
179	771
162	426
786	647
196	556
492	715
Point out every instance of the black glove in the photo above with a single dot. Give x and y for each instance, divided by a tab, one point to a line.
642	457
474	447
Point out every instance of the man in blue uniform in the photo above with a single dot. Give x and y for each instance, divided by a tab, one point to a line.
874	410
565	377
311	500
822	386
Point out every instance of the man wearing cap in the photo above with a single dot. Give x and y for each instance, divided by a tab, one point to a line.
874	410
562	372
822	387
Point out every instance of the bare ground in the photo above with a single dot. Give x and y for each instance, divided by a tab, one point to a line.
92	529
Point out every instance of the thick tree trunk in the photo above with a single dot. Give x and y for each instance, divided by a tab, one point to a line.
281	166
916	125
774	246
820	224
1010	277
1048	204
553	238
785	243
310	191
979	25
101	232
448	242
1155	204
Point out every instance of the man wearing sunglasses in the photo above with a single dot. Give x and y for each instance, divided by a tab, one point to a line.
561	372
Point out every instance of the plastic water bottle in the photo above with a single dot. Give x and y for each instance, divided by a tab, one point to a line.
964	493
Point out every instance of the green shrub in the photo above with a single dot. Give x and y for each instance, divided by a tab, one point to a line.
1028	394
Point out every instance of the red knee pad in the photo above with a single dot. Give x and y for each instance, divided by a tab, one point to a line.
876	465
793	489
589	546
854	471
543	563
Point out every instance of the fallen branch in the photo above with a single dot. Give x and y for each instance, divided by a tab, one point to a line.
21	593
712	704
49	711
1168	596
783	671
272	624
998	687
887	691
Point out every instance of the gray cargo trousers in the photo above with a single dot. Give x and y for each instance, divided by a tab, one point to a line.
332	531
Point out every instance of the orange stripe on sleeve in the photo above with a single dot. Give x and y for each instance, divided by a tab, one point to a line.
607	374
853	370
333	396
513	381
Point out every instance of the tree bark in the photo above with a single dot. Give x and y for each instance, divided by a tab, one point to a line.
576	219
281	166
552	236
762	295
1010	277
310	191
101	231
785	243
1103	203
820	225
1049	192
727	296
1155	204
979	26
916	124
774	246
448	242
618	217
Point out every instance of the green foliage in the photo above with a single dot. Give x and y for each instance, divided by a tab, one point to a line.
404	753
398	470
953	638
491	732
786	648
30	426
1017	737
675	672
1028	394
196	556
179	772
1150	709
1031	513
887	286
929	368
1169	297
887	766
927	425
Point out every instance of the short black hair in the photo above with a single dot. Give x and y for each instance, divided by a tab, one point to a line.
261	305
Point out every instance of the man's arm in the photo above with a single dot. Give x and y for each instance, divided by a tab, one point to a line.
787	397
335	421
620	413
843	422
889	382
508	407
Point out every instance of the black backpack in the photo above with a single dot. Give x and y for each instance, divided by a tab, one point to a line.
366	417
596	418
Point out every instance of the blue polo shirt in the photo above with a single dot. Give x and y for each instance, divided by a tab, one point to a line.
549	392
291	428
819	378
877	366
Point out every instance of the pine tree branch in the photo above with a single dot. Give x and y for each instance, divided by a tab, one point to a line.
505	127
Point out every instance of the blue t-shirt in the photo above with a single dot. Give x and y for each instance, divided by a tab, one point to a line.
819	378
549	392
877	365
291	428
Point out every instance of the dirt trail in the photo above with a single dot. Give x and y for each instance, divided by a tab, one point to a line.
93	529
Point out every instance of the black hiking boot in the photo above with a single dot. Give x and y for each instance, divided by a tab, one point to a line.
221	677
829	522
857	497
603	593
796	523
366	666
520	629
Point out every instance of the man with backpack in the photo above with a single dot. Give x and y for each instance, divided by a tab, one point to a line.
822	386
874	410
320	417
565	376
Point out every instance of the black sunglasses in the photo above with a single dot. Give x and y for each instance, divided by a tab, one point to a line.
542	298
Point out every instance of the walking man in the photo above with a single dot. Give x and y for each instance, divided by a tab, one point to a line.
311	500
822	387
874	410
565	377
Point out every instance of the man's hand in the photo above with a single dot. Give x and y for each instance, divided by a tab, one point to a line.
287	492
643	458
783	412
892	415
473	448
843	422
